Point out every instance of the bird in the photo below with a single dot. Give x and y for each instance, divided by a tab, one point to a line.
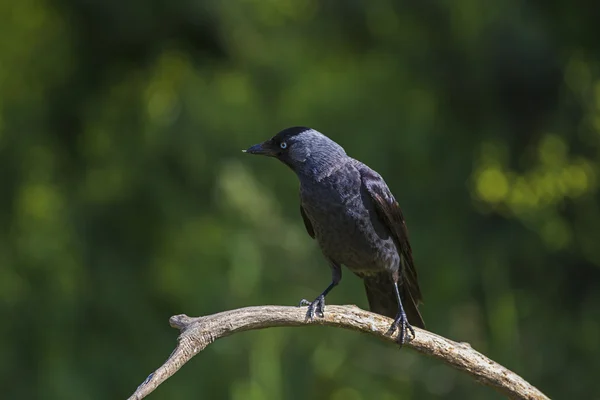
350	211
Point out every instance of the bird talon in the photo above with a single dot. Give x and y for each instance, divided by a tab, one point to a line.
412	332
401	323
315	307
304	303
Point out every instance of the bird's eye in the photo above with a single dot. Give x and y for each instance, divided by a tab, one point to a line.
283	145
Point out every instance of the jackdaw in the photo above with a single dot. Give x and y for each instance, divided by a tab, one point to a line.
348	208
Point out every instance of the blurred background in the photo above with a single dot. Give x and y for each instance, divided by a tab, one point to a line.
125	198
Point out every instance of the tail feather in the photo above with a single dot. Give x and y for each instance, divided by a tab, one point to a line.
382	299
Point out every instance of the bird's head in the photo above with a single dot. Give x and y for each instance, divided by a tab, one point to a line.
302	149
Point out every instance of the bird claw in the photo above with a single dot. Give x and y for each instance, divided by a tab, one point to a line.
401	323
315	307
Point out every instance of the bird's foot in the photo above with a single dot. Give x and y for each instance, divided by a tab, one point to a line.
401	323
314	308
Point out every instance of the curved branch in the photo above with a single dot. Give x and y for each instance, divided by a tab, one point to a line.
197	333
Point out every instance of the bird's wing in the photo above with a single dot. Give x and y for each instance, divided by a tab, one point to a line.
390	213
307	223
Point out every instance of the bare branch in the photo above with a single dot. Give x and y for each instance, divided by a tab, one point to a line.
197	333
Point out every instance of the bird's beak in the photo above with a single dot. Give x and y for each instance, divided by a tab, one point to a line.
264	149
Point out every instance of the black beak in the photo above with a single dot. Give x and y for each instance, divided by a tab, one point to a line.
263	149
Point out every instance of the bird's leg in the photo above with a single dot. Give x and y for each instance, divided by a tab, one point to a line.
317	306
401	321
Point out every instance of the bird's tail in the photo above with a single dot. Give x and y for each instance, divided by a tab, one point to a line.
382	299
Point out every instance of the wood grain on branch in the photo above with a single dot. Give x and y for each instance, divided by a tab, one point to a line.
197	333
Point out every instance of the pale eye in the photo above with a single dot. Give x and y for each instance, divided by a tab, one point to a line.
283	145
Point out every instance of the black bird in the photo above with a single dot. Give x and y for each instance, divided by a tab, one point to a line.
357	222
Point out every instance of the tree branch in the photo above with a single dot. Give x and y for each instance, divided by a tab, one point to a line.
197	333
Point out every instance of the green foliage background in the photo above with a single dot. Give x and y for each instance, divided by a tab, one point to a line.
125	199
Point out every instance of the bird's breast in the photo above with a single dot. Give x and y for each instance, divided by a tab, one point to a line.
347	226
